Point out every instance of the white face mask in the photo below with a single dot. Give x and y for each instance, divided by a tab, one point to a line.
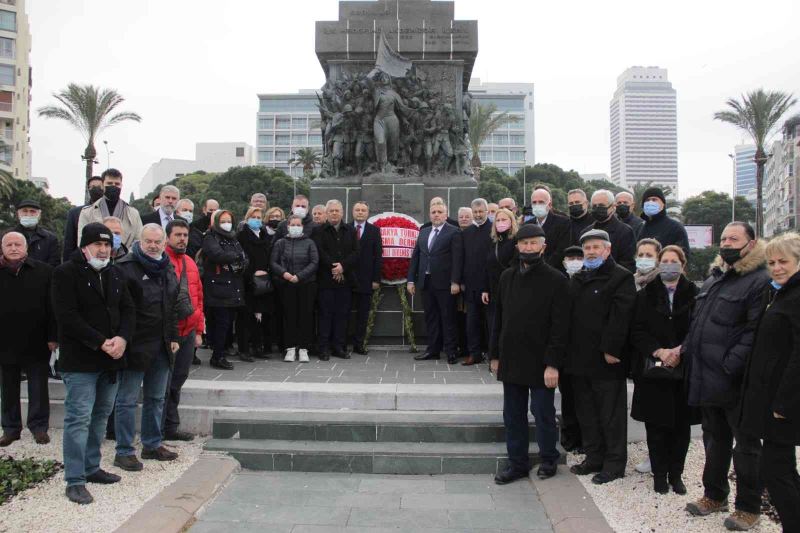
645	264
187	216
226	226
539	210
300	211
95	263
29	222
295	231
573	266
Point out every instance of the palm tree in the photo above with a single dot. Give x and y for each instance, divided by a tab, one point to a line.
757	113
483	121
308	158
88	109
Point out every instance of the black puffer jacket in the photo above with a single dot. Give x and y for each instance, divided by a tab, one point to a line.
772	379
722	331
296	256
665	230
224	263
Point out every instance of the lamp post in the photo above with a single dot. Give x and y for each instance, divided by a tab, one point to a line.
108	155
733	193
524	176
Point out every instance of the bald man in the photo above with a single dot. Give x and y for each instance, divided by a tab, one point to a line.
556	228
625	207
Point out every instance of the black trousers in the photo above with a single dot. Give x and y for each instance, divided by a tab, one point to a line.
668	447
298	304
476	325
363	303
38	397
515	419
219	321
334	307
719	431
250	333
779	472
570	427
276	321
440	321
601	405
178	376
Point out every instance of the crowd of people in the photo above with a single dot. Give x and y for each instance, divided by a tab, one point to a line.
581	301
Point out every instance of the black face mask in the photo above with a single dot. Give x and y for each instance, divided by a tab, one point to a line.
731	255
623	211
273	223
530	258
112	193
600	213
95	193
576	211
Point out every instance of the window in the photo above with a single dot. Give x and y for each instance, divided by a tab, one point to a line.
314	139
518	124
282	140
8	20
240	151
7	75
299	123
282	123
499	139
282	155
298	139
303	104
500	155
517	138
265	155
6	101
314	123
6	48
265	140
517	155
485	155
266	123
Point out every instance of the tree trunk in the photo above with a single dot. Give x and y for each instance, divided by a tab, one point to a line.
88	155
476	166
761	161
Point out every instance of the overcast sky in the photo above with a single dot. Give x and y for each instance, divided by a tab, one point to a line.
193	68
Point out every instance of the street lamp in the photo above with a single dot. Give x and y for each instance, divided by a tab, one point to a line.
524	175
733	193
108	155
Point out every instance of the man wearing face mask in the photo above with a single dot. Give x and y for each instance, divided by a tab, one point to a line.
556	227
625	205
579	216
573	260
623	245
169	196
185	210
95	187
112	204
96	318
657	225
299	208
118	249
571	439
42	244
203	222
527	349
603	295
477	240
717	348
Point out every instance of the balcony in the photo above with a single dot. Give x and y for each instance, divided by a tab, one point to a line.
8	134
9	2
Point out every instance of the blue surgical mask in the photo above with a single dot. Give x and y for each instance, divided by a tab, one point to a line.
117	241
491	219
775	285
645	264
652	208
593	264
573	266
254	223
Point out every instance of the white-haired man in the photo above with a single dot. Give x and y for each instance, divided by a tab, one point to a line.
556	227
169	196
623	242
477	239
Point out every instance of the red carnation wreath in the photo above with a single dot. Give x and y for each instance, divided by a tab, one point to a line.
399	235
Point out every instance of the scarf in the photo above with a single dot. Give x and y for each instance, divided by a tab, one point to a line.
643	279
118	208
154	268
14	266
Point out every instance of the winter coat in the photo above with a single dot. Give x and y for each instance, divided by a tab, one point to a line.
90	308
131	221
557	231
224	263
502	254
602	304
531	324
665	230
578	226
42	244
477	241
297	256
27	322
337	246
309	227
257	248
655	325
196	321
71	233
722	330
635	223
772	378
156	314
623	243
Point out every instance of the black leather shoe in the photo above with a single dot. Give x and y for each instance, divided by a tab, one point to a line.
360	350
660	484
451	359
509	476
547	470
221	363
324	356
79	494
605	477
584	468
178	435
255	353
426	357
7	439
341	354
677	485
571	446
245	357
102	477
129	463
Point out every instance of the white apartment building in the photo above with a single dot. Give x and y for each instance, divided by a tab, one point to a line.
780	182
644	131
15	89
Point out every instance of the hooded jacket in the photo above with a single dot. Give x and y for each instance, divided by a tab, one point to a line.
722	329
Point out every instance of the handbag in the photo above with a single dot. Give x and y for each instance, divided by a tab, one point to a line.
262	285
183	304
655	368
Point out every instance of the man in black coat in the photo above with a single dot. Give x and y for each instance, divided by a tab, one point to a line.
556	228
337	244
28	330
527	349
96	319
579	216
42	244
368	271
202	223
169	196
477	240
150	355
623	243
602	296
625	206
717	348
657	225
435	268
95	186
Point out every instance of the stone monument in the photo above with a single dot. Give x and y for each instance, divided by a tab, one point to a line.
394	108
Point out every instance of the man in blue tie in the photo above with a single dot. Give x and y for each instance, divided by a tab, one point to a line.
436	265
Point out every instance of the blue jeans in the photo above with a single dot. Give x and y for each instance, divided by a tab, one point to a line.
89	400
515	417
153	382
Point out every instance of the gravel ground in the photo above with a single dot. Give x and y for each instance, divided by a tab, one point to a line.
44	508
631	506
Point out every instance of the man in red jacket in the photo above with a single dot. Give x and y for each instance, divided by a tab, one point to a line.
190	328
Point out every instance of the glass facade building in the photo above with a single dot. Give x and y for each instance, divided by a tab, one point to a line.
746	171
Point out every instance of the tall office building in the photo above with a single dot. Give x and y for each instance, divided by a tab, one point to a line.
15	89
644	131
745	168
286	122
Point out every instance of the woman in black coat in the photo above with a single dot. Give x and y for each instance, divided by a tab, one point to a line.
771	391
224	263
661	321
253	322
502	252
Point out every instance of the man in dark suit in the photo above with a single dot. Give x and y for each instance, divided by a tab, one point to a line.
95	186
368	271
170	196
477	240
436	265
439	200
556	228
623	242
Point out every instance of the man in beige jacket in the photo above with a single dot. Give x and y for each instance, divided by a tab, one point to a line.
112	205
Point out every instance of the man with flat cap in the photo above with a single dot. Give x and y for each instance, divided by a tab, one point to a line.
602	297
527	349
42	244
